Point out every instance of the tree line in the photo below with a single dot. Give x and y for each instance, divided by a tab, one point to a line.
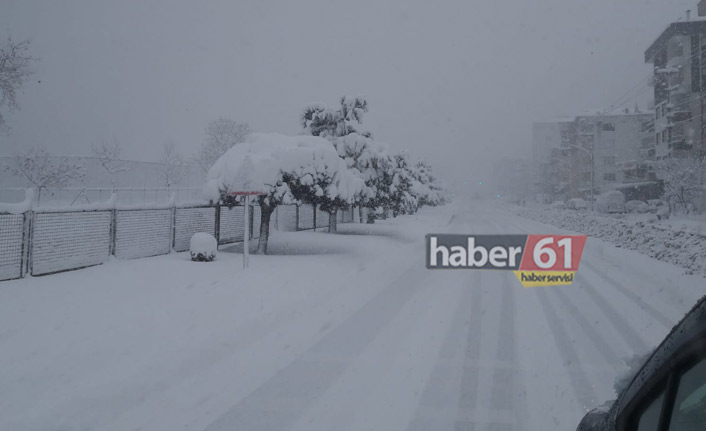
332	165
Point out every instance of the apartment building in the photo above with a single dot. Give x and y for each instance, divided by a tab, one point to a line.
603	150
679	59
549	171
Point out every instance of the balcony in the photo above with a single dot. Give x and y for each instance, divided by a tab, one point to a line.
679	116
680	146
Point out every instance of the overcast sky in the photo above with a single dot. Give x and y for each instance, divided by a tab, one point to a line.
452	81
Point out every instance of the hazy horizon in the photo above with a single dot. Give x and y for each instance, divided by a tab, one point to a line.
457	83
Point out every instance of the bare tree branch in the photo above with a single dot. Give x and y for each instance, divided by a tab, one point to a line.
109	157
221	135
173	169
42	171
14	72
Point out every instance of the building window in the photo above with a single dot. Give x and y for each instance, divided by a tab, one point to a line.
657	141
609	127
609	161
608	177
664	135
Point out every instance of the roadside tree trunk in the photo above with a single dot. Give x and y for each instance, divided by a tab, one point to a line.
371	216
332	222
265	216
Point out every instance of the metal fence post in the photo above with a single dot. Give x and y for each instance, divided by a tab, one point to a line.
296	227
173	228
251	215
315	211
113	230
24	257
30	242
217	223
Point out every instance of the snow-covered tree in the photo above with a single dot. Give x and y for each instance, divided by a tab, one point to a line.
43	171
370	161
329	189
221	135
402	198
318	120
391	181
426	187
108	156
173	169
684	180
286	168
14	72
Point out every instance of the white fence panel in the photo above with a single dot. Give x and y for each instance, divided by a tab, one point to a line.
69	240
189	221
143	233
306	217
287	218
11	232
232	225
256	219
321	218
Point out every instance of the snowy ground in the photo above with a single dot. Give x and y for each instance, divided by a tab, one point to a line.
346	332
677	240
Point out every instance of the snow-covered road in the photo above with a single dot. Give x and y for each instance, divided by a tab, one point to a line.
352	333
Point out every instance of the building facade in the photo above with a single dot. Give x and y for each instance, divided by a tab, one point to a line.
606	151
549	171
679	59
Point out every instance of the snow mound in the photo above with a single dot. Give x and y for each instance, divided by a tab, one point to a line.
677	246
203	247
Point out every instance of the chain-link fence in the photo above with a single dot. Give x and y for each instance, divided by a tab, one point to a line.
68	240
45	242
12	245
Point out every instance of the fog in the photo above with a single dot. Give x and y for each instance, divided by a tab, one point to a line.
456	82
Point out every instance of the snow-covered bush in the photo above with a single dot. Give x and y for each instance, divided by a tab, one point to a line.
203	247
638	207
683	180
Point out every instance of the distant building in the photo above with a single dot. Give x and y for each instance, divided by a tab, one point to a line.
620	144
679	59
548	170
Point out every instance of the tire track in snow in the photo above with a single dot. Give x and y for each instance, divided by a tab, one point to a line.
631	337
435	410
580	384
623	328
282	400
597	340
636	299
468	396
637	272
504	395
